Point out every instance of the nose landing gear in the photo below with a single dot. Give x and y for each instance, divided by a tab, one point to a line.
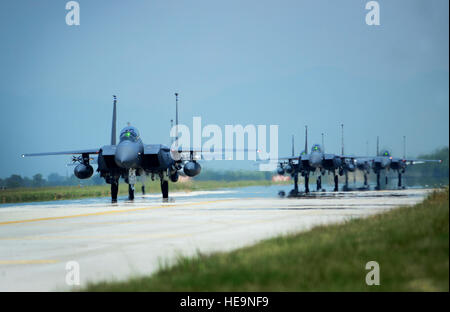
319	183
143	176
131	183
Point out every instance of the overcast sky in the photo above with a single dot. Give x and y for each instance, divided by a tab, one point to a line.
288	63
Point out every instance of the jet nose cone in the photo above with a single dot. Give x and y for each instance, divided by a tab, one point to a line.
316	160
126	155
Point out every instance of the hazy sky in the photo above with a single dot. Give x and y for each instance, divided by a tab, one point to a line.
289	63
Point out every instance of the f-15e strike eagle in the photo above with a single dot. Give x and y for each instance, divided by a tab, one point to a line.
384	161
131	158
306	164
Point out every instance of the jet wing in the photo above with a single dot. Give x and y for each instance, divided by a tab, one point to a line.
86	151
199	154
364	159
92	161
420	161
355	157
286	158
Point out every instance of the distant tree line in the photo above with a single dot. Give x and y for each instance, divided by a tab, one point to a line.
53	179
233	175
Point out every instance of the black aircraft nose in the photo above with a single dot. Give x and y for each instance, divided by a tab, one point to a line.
315	160
127	155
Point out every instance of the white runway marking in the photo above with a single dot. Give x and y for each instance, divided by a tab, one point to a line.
117	241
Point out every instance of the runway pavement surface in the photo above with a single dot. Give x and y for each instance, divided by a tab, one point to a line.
131	238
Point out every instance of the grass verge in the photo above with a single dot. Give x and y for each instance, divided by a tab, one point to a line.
74	192
411	245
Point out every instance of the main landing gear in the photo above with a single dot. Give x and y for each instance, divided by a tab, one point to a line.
165	189
336	179
346	188
131	181
400	185
306	182
114	190
130	191
336	182
296	182
293	192
164	185
378	187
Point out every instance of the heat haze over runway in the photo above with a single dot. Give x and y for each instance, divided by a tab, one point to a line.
131	238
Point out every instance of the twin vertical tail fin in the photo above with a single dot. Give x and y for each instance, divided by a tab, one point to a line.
378	146
404	147
293	151
114	122
306	139
323	143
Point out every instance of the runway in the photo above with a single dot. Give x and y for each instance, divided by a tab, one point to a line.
132	238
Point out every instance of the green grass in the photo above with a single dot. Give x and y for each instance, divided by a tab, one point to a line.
411	245
73	192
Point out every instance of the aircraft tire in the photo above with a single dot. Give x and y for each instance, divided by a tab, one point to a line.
130	192
165	188
114	191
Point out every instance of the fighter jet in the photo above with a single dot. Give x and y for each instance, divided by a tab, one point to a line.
130	158
317	160
384	161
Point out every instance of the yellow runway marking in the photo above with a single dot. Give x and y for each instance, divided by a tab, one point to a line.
112	212
98	237
6	262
